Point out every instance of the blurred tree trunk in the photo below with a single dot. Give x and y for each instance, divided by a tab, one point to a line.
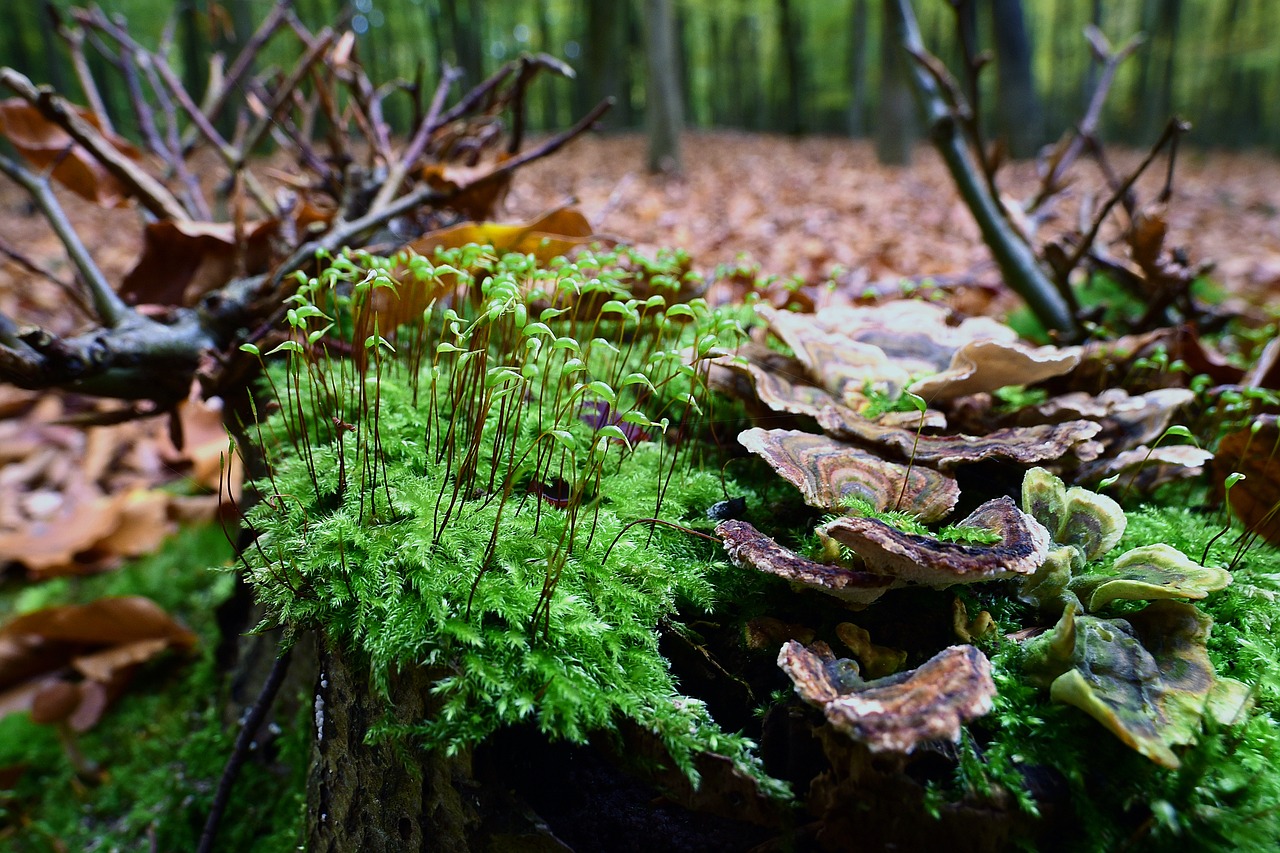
462	22
664	115
550	91
895	114
857	120
1158	102
789	37
1018	109
604	55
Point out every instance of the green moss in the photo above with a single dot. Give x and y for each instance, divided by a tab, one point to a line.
418	533
163	746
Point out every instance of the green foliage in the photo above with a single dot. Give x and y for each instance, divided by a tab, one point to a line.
164	744
461	498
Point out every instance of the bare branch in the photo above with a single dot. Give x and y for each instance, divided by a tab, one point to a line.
243	62
75	41
1174	128
149	192
1015	257
1093	114
396	174
110	308
34	268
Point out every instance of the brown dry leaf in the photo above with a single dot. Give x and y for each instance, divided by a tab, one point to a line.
1255	453
473	191
75	500
548	236
44	144
899	712
68	663
182	261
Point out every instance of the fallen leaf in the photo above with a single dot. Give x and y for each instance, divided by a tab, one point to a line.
69	663
1255	453
45	144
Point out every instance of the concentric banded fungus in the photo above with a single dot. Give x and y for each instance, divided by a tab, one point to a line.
841	365
1149	573
749	548
916	335
986	365
901	711
828	473
781	391
1023	546
1026	445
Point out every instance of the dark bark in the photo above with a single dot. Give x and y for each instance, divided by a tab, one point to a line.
895	116
789	37
388	796
664	114
604	55
1020	117
857	120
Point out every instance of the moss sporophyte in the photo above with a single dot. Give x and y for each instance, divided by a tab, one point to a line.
453	446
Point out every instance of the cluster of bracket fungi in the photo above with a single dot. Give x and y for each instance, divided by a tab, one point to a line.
1145	676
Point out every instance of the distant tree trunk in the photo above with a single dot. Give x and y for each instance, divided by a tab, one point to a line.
1159	103
789	37
857	120
550	91
1019	113
895	114
463	20
664	115
604	55
746	71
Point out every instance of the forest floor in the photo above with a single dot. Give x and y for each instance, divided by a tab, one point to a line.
817	210
806	207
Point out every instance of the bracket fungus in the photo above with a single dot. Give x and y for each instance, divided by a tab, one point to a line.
828	473
1086	521
986	365
901	711
1150	573
1147	678
1026	445
748	548
1023	546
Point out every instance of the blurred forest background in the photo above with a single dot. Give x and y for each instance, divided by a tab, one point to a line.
764	65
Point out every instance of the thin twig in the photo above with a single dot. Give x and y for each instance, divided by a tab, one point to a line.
1093	114
149	192
240	67
75	41
1017	260
108	305
396	174
252	722
1173	128
31	266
